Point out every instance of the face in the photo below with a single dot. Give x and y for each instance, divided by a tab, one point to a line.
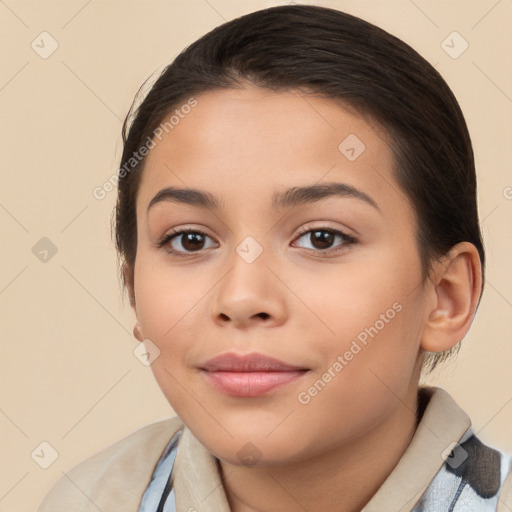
325	280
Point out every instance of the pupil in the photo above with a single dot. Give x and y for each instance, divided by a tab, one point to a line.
324	238
192	241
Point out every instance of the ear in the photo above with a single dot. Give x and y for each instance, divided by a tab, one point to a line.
456	284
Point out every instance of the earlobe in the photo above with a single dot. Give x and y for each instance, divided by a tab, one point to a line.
137	332
456	286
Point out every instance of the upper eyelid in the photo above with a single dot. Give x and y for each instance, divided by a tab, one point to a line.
323	227
306	228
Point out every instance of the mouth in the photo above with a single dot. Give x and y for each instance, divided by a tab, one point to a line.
249	375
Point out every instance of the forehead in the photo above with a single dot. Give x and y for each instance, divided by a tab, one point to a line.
256	141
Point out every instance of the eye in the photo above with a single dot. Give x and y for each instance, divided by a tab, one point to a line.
185	241
323	238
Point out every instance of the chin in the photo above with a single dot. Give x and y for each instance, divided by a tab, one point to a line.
249	450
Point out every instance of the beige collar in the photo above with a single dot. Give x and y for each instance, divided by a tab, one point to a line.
198	485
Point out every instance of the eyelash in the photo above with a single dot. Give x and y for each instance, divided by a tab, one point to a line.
348	240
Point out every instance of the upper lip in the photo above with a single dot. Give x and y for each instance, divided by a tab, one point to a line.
254	362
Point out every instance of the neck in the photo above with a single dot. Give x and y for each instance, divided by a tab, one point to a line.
344	479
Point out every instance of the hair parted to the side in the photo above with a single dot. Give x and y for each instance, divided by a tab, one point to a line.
338	56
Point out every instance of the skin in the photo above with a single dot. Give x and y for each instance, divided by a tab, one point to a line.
242	146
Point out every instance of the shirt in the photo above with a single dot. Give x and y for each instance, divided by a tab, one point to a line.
445	468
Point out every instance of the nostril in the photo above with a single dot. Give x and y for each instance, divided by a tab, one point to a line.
263	315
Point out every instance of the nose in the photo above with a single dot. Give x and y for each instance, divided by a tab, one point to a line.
249	295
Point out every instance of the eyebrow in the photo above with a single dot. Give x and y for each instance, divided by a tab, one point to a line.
298	196
295	196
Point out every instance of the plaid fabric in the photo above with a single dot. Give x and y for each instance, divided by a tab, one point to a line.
159	494
469	481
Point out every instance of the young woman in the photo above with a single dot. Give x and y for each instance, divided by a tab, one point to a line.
298	233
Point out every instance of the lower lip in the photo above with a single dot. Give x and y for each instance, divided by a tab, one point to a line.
248	384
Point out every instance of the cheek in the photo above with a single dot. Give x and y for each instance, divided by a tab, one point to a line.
165	295
347	299
171	308
374	311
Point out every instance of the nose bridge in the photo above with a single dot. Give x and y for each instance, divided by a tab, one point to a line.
249	291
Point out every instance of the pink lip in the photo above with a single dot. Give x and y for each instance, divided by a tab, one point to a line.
249	375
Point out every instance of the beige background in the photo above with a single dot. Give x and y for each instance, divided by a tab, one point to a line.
68	374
